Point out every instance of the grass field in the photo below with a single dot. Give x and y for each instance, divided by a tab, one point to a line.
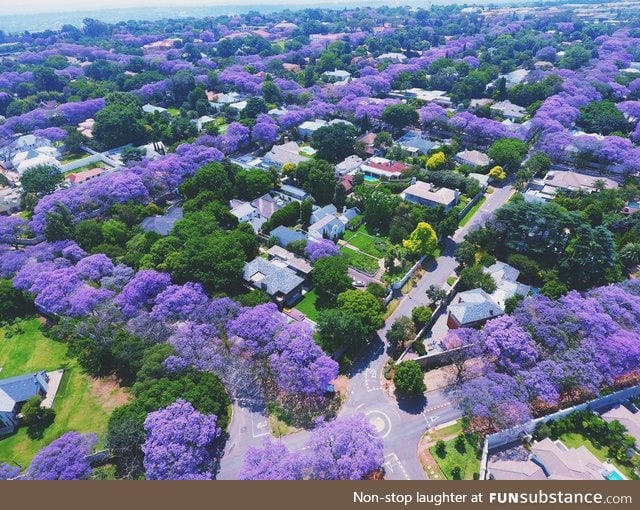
465	219
360	261
602	453
73	157
82	404
467	461
374	246
308	305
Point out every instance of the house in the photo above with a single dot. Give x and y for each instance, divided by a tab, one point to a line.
348	165
221	100
337	75
514	77
543	190
201	121
26	142
293	262
288	192
245	212
472	308
321	212
508	110
275	278
14	392
280	155
160	46
42	156
86	175
473	158
85	128
347	183
285	25
162	224
481	178
396	58
383	168
425	193
307	128
550	460
507	286
277	112
414	143
238	106
267	205
328	227
476	104
367	140
10	200
284	236
630	421
429	96
149	108
348	215
292	68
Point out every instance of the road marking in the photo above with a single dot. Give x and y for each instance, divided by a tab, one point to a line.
371	386
393	458
261	425
430	420
380	421
446	404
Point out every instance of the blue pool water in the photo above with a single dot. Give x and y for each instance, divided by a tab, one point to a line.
614	475
633	204
368	178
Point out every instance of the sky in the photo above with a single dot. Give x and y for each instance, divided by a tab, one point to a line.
37	6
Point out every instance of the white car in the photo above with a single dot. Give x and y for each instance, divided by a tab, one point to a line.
358	283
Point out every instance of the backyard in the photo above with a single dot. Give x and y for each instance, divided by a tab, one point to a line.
360	260
361	239
308	305
575	440
82	403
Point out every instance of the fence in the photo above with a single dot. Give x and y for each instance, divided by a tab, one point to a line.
399	284
441	358
512	434
471	203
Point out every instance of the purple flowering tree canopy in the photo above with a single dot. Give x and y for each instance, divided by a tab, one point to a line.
317	249
64	459
177	442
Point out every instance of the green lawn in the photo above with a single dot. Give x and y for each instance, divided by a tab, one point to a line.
373	245
86	167
575	440
81	403
308	305
451	280
73	157
468	463
360	261
174	112
465	219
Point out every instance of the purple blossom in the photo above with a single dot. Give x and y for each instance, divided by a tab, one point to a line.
64	459
94	267
141	291
271	461
257	328
177	442
320	248
179	302
510	346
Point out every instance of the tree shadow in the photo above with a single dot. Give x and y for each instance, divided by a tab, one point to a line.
367	355
411	404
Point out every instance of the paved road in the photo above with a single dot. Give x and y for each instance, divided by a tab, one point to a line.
401	423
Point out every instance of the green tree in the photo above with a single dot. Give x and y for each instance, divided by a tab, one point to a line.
41	180
421	315
409	378
630	254
59	224
508	153
338	328
35	415
602	117
130	154
383	140
474	277
422	241
465	253
13	302
589	255
330	277
115	232
575	56
120	121
401	331
271	92
252	183
364	305
399	116
334	142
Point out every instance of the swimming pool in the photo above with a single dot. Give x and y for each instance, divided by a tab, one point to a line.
368	178
633	204
613	475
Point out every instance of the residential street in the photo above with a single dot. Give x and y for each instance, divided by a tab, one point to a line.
401	423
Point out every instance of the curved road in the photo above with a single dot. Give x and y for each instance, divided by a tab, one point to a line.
400	422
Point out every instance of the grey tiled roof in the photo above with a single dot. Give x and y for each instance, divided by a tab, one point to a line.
270	277
285	235
162	224
472	306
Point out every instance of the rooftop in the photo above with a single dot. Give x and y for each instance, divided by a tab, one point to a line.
164	223
473	157
631	421
473	306
20	388
430	193
271	277
387	165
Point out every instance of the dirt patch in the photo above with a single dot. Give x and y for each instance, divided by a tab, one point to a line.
109	393
445	376
341	384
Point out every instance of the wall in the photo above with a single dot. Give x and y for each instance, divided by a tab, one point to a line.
471	203
398	285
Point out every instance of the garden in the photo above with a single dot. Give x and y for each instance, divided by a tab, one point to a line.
82	404
457	457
